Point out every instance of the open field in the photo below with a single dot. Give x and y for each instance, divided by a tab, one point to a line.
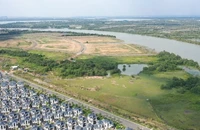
95	39
137	97
55	42
126	59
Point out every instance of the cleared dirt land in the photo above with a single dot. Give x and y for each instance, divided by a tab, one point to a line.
93	45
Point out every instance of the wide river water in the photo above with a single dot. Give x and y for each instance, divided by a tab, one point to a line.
185	50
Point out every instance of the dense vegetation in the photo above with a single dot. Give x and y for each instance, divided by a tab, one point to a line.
89	67
9	33
169	62
86	34
36	59
191	84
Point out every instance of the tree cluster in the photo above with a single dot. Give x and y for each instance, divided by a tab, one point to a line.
169	62
192	84
89	67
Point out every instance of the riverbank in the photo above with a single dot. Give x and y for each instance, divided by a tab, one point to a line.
188	51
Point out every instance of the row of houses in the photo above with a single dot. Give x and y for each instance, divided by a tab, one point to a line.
24	108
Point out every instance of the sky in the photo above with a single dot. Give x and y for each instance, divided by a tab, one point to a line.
76	8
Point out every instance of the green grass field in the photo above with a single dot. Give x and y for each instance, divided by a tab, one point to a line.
126	59
140	96
52	55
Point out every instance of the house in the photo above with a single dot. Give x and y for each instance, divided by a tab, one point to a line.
92	118
14	124
6	109
32	93
65	106
16	105
12	85
54	100
5	102
48	117
58	115
68	113
88	127
15	93
78	127
34	97
55	108
35	112
81	121
42	97
60	125
4	85
3	117
45	102
48	126
25	100
16	108
6	97
20	84
26	122
70	126
35	103
35	127
37	120
77	111
71	122
25	93
100	124
107	124
13	116
6	78
3	125
45	110
96	127
26	105
24	114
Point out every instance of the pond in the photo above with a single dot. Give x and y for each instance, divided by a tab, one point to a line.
131	69
191	71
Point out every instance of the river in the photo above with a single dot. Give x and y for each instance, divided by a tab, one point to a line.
185	50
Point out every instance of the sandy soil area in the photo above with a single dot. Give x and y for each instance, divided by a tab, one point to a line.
73	44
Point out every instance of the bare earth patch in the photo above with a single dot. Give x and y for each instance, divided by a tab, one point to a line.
95	39
91	45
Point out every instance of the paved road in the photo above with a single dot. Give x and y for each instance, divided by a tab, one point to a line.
125	122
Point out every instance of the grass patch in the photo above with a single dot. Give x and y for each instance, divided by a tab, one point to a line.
125	59
178	110
24	43
52	55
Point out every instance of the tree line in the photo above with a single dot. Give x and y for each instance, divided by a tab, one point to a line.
89	67
191	84
169	62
